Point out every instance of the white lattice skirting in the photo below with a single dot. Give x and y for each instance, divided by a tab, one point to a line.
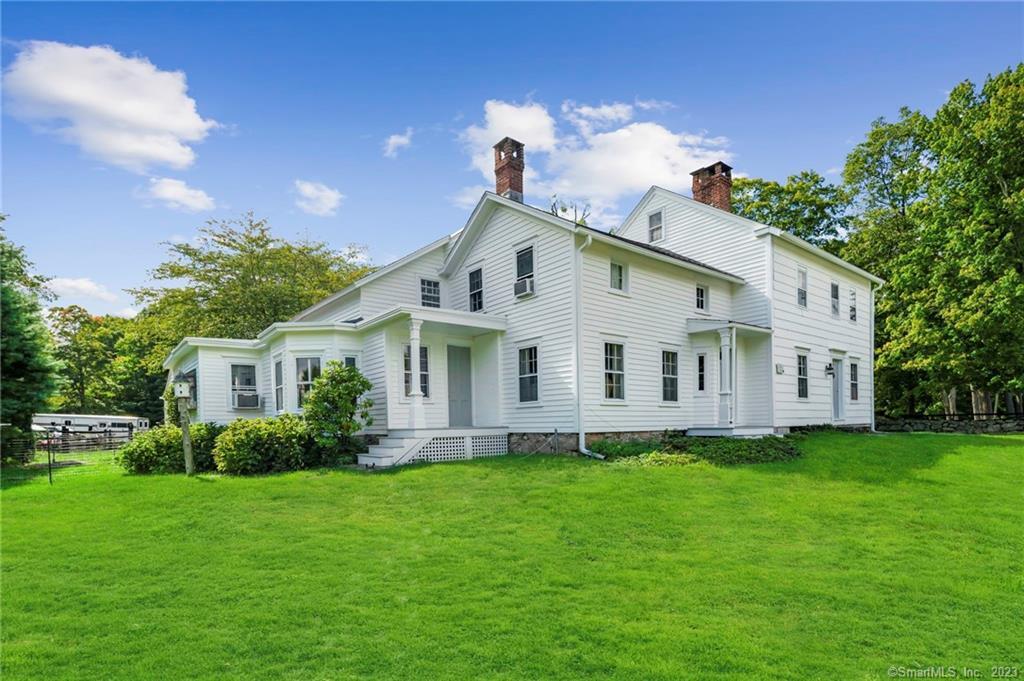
457	447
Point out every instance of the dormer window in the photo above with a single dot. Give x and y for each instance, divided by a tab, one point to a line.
430	293
655	227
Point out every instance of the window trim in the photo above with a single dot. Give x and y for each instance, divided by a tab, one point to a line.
298	393
425	280
428	394
854	376
354	356
660	212
698	371
801	272
675	351
625	277
232	390
535	346
835	303
605	372
528	244
279	401
806	378
701	286
471	290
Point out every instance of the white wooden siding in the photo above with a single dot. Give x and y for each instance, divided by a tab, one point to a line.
401	286
546	317
715	239
823	335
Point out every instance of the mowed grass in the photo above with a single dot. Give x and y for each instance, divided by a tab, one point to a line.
871	551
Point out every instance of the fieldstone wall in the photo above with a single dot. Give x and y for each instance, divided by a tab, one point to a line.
542	443
993	424
628	436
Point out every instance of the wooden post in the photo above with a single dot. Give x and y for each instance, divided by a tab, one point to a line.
186	436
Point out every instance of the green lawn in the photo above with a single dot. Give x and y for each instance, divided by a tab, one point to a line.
869	552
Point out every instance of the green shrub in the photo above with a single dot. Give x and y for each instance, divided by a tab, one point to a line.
674	448
267	445
336	407
613	449
171	414
160	450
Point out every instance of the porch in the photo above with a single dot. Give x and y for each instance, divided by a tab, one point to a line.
443	387
737	395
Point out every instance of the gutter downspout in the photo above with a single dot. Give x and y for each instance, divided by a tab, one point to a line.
577	264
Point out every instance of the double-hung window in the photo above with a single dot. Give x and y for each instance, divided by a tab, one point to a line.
476	290
854	383
529	387
835	299
801	287
243	386
430	293
702	372
617	276
801	376
424	371
614	371
853	305
655	227
524	264
278	385
307	370
702	297
669	376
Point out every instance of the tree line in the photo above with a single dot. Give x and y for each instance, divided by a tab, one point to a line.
932	204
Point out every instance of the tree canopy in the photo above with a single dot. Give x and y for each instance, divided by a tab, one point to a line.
806	205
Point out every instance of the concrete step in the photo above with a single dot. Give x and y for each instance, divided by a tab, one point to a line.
378	459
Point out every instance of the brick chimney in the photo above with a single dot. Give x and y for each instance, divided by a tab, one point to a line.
509	162
713	185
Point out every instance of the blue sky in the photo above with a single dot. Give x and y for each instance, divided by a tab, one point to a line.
185	112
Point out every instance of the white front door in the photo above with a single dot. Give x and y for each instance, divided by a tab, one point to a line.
837	390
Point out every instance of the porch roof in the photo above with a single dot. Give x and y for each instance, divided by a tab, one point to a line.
703	325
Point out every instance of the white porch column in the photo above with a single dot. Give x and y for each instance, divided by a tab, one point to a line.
725	379
416	417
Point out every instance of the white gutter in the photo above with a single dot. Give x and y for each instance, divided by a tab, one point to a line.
577	264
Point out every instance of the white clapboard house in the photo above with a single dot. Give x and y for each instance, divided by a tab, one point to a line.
523	324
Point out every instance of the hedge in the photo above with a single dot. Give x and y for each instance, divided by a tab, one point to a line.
268	445
160	450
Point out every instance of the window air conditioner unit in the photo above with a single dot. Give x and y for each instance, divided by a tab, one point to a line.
524	287
246	401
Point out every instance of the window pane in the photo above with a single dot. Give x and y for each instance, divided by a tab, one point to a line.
835	299
701	297
527	388
350	361
430	293
243	375
654	227
701	367
314	368
618	278
524	263
476	290
278	372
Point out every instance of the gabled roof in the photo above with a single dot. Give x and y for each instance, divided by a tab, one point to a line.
490	201
758	228
376	274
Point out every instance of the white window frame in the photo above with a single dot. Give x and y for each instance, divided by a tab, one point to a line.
526	246
469	285
806	377
650	235
702	293
407	384
836	306
853	305
354	356
701	358
423	294
624	269
233	390
801	287
277	382
854	379
523	347
675	376
298	390
606	372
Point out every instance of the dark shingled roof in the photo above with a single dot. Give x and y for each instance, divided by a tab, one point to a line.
639	244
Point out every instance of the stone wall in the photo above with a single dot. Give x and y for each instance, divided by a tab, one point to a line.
994	424
542	443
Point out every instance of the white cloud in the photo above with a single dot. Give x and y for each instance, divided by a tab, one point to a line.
122	110
835	170
654	105
602	156
529	123
397	141
178	195
127	312
467	197
82	287
316	198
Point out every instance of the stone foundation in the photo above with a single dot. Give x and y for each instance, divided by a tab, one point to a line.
994	424
627	436
542	443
